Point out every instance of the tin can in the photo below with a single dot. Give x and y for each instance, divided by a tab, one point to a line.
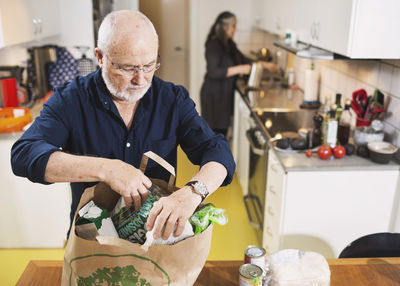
255	255
250	275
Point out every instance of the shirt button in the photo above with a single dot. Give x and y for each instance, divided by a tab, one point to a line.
105	102
128	144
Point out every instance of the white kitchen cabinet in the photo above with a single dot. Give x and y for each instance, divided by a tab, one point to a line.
241	146
273	16
23	21
32	215
323	211
353	28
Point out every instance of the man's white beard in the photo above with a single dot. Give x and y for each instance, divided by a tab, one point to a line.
124	95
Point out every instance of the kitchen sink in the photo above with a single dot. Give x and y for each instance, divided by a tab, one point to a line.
280	122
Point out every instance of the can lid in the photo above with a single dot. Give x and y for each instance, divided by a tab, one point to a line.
250	271
255	251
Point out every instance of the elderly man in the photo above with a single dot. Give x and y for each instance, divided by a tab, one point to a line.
96	129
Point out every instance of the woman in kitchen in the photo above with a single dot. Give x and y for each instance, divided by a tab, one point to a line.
224	63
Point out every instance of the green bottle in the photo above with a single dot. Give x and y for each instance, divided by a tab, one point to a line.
339	108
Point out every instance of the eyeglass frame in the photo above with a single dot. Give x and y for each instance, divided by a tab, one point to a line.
134	70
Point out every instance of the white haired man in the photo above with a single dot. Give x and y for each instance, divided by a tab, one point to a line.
96	129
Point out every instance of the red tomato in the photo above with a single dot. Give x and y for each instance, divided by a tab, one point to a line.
308	153
339	152
324	152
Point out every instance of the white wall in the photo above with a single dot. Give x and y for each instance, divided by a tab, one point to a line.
126	5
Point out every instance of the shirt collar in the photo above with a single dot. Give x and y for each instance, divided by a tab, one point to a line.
102	90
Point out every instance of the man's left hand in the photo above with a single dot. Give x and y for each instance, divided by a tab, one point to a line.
173	210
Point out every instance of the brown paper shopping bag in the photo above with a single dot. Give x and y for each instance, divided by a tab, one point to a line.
114	261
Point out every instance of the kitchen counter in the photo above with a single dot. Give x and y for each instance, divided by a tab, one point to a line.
272	99
271	96
349	271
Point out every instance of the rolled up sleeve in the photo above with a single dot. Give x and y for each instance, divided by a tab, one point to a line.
48	133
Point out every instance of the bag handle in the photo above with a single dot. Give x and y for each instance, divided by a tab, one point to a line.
167	166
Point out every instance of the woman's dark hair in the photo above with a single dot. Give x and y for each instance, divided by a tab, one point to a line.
216	31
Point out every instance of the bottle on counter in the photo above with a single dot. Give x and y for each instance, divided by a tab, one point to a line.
325	115
331	129
345	124
339	108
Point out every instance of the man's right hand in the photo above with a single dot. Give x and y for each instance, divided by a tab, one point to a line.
128	181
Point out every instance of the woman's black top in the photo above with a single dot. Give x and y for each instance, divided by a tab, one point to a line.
217	89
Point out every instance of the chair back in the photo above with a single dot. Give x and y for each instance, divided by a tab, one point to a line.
384	244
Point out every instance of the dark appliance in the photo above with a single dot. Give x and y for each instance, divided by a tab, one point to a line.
40	57
255	199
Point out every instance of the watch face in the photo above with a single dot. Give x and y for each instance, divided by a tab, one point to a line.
200	188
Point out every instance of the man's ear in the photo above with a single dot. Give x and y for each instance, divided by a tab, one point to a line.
99	56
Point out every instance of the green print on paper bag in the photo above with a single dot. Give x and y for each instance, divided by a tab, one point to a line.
117	276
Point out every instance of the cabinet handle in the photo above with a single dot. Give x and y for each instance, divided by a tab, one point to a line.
274	168
39	22
271	189
270	211
317	31
269	231
35	26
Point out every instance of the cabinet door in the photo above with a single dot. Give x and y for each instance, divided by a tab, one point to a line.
16	22
375	26
27	20
258	14
278	16
325	24
46	17
325	210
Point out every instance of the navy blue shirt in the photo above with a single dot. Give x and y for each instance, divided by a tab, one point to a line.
81	118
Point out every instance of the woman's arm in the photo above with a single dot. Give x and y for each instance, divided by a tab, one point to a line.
239	69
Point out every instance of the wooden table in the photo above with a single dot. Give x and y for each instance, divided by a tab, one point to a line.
350	271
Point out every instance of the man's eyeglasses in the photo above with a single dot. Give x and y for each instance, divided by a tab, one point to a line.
130	71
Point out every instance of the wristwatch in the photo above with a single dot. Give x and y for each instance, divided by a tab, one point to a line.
199	188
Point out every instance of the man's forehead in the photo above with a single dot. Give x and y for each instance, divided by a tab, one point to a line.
127	54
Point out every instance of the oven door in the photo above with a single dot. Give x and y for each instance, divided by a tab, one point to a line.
255	199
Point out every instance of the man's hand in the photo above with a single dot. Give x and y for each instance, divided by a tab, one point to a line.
173	210
129	182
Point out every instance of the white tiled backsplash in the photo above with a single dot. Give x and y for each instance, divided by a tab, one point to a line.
342	76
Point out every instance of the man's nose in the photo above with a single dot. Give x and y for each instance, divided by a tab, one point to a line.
139	78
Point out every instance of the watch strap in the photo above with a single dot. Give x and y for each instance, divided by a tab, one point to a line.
199	188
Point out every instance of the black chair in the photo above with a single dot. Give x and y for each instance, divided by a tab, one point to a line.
384	244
